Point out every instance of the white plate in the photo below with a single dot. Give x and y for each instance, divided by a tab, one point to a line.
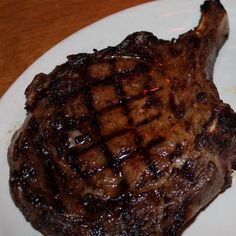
166	19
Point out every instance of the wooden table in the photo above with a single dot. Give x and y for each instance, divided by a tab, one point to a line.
31	27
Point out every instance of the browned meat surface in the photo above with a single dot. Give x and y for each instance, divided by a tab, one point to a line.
130	140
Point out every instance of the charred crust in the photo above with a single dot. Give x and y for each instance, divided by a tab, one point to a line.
125	214
178	151
195	41
174	219
135	228
201	141
188	171
62	122
36	91
97	229
207	5
227	119
176	50
233	164
139	38
78	59
46	218
228	181
34	198
153	101
155	142
152	167
211	167
146	121
92	203
61	90
201	96
178	110
23	177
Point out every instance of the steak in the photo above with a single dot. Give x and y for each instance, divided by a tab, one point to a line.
129	140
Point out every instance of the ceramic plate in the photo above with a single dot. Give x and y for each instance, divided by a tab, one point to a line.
166	19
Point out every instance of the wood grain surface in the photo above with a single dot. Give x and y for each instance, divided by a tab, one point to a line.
31	27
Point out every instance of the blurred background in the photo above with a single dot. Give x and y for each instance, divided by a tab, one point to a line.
28	28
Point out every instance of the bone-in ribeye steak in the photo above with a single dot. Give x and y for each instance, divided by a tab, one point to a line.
129	140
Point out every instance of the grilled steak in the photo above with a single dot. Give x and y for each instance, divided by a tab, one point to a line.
129	140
